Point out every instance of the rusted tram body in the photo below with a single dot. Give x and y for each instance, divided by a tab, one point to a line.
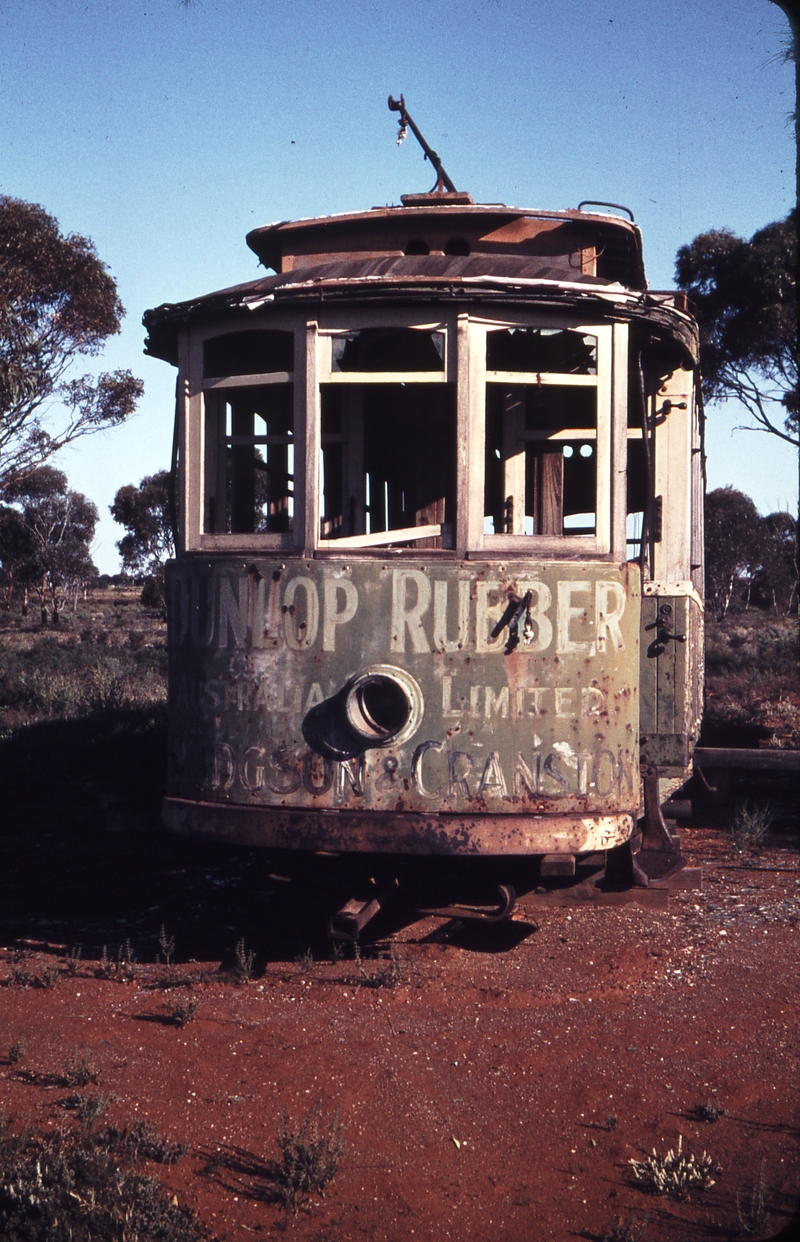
439	498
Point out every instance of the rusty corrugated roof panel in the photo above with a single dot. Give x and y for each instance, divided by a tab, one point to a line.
473	275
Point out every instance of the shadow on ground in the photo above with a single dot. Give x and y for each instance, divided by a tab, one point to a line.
87	863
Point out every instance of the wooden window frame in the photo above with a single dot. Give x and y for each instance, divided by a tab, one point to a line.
202	398
611	408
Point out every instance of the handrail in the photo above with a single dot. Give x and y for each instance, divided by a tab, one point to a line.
598	202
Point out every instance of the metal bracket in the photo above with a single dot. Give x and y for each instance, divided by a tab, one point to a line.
663	627
478	914
512	617
348	923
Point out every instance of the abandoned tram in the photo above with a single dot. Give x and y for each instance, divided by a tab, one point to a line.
439	583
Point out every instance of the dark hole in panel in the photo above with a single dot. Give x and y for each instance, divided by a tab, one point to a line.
417	246
551	407
384	705
637	477
457	245
253	491
541	349
256	352
389	349
388	459
560	477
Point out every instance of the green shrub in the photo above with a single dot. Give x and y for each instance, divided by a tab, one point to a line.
308	1158
83	1185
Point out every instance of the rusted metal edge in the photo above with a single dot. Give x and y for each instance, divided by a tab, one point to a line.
366	832
763	760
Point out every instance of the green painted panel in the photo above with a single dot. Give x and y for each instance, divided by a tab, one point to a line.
269	659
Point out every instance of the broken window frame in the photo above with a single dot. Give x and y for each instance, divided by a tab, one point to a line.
321	346
203	438
603	436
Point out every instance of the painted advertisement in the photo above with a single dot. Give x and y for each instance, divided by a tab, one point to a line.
415	686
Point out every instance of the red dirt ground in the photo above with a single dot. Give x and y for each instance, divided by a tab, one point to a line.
497	1091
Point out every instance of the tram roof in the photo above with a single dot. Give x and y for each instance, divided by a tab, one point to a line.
474	251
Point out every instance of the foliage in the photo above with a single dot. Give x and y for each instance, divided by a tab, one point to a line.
630	1230
17	1050
388	975
52	679
145	512
58	525
84	1184
732	550
746	298
17	550
775	582
750	560
167	946
80	1068
244	962
754	1217
308	1159
749	826
710	1111
58	303
182	1008
674	1173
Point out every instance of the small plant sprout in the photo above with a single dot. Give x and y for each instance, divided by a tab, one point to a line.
167	946
73	959
754	1217
17	1050
144	1142
80	1068
244	962
89	1109
126	959
308	1158
105	967
710	1111
388	974
182	1008
305	960
750	824
675	1174
50	976
629	1230
610	1122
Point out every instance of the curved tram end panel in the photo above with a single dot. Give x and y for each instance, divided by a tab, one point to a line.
387	709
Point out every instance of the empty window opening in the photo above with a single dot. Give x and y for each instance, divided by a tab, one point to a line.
417	246
388	349
250	460
541	460
541	350
256	352
388	463
456	246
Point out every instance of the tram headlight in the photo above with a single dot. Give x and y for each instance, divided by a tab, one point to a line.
381	706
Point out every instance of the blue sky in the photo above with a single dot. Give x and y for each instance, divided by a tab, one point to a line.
165	131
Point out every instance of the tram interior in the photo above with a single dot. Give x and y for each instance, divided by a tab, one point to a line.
388	436
250	434
540	466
